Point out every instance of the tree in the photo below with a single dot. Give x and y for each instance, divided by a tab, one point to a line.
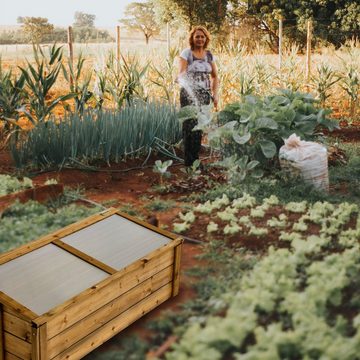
141	17
84	26
210	13
334	21
35	28
84	20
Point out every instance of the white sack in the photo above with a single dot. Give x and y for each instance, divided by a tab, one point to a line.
307	159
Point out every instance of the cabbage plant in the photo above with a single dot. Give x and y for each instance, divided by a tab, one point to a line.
257	127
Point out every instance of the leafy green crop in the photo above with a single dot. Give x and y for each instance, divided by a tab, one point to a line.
258	126
22	223
301	302
9	184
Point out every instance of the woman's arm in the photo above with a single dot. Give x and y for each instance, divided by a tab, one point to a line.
215	84
183	64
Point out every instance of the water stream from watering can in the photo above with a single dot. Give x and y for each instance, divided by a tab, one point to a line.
188	85
204	111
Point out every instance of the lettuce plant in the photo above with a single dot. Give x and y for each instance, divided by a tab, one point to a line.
181	227
9	184
189	217
212	227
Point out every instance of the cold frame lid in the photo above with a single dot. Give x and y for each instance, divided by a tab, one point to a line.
116	241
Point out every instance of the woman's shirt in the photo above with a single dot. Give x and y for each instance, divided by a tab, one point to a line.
198	70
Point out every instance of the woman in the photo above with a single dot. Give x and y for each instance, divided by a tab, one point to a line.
199	83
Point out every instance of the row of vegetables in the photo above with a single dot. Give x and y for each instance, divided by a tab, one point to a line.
300	301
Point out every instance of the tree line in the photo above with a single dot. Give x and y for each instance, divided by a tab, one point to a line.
38	30
334	21
248	22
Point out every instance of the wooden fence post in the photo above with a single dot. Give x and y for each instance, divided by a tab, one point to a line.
308	51
118	54
280	41
71	52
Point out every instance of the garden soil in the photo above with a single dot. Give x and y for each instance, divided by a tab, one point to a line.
128	185
119	187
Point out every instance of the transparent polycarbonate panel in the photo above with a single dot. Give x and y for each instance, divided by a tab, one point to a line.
47	277
116	241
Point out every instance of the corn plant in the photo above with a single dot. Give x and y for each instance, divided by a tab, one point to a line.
80	88
133	73
125	80
39	80
110	135
164	77
324	81
289	76
114	80
100	89
246	83
350	82
12	99
263	76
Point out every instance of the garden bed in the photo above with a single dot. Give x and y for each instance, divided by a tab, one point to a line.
130	187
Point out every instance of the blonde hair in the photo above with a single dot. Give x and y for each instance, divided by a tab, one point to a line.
193	31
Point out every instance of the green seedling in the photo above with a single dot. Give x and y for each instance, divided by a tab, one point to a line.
162	169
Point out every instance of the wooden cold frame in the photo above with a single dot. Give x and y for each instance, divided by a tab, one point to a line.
123	289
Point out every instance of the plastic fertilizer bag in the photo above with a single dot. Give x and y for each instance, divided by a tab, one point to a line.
307	159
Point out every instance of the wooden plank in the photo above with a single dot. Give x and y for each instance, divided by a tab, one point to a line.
103	315
39	343
176	273
22	250
2	348
14	312
84	257
16	346
99	297
149	226
43	348
108	330
9	356
136	272
18	308
35	344
16	326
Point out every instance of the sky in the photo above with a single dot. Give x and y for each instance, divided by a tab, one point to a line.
61	12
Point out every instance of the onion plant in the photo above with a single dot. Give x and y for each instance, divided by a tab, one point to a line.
110	135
